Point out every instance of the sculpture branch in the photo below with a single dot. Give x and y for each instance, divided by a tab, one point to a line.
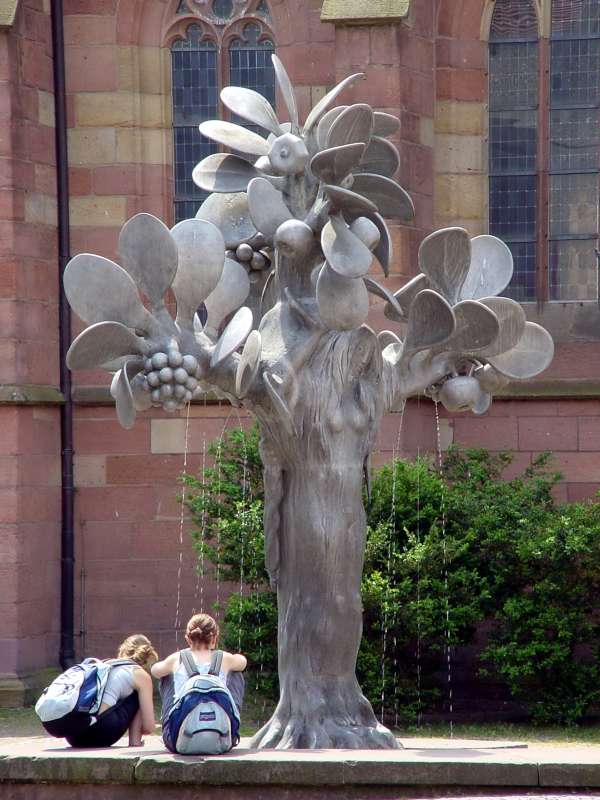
421	372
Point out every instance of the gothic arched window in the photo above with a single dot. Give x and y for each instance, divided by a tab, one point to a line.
574	136
513	136
250	65
544	147
224	46
195	99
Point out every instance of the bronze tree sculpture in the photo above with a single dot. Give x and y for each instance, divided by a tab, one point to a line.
309	200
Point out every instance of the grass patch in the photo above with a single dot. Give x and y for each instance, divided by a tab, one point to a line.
19	722
522	732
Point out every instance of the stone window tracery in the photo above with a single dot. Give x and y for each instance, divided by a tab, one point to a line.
217	43
544	146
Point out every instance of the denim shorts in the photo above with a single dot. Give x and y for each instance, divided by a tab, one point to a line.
110	725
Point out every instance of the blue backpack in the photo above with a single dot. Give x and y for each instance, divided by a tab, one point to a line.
68	706
204	719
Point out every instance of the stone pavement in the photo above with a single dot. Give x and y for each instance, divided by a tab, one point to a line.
43	769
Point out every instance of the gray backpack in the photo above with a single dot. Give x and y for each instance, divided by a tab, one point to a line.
204	719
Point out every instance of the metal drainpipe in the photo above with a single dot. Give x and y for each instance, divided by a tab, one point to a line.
67	557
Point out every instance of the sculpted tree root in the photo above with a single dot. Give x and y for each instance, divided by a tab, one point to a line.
310	718
306	205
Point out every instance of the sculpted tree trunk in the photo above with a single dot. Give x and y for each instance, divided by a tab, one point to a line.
315	538
303	206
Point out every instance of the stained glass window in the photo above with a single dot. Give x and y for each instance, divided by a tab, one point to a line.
513	137
574	149
514	19
195	97
250	65
575	18
196	68
565	110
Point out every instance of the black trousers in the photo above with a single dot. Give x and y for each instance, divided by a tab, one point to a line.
110	725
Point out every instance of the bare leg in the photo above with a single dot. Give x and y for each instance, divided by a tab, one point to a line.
135	730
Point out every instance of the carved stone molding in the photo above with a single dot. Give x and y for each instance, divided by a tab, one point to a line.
222	20
100	396
29	395
359	12
8	9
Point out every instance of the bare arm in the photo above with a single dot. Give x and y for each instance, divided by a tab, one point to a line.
234	662
165	667
143	684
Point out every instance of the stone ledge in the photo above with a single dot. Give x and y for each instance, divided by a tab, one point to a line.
8	9
551	388
423	763
570	775
100	396
29	394
359	12
76	768
308	770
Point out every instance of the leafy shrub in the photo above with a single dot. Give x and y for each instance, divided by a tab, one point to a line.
546	645
445	552
226	504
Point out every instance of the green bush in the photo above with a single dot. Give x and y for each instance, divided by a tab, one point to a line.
546	646
446	551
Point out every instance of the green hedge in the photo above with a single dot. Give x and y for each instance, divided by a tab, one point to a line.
445	553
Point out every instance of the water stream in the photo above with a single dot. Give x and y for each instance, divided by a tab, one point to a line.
448	645
199	588
396	449
177	621
219	467
243	534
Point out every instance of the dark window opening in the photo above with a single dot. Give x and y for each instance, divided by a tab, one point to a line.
544	147
196	70
513	138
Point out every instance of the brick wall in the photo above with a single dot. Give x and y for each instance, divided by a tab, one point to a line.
131	528
118	86
460	118
570	429
29	435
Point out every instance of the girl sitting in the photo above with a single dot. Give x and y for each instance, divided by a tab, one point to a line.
202	636
127	700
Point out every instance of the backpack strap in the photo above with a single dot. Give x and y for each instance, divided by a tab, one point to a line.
215	663
120	662
188	662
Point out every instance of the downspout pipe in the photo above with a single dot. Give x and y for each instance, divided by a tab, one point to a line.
67	539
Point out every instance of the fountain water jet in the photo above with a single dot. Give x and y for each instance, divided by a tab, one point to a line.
177	621
315	376
448	645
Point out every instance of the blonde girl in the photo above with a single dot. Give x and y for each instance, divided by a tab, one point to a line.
202	637
127	700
